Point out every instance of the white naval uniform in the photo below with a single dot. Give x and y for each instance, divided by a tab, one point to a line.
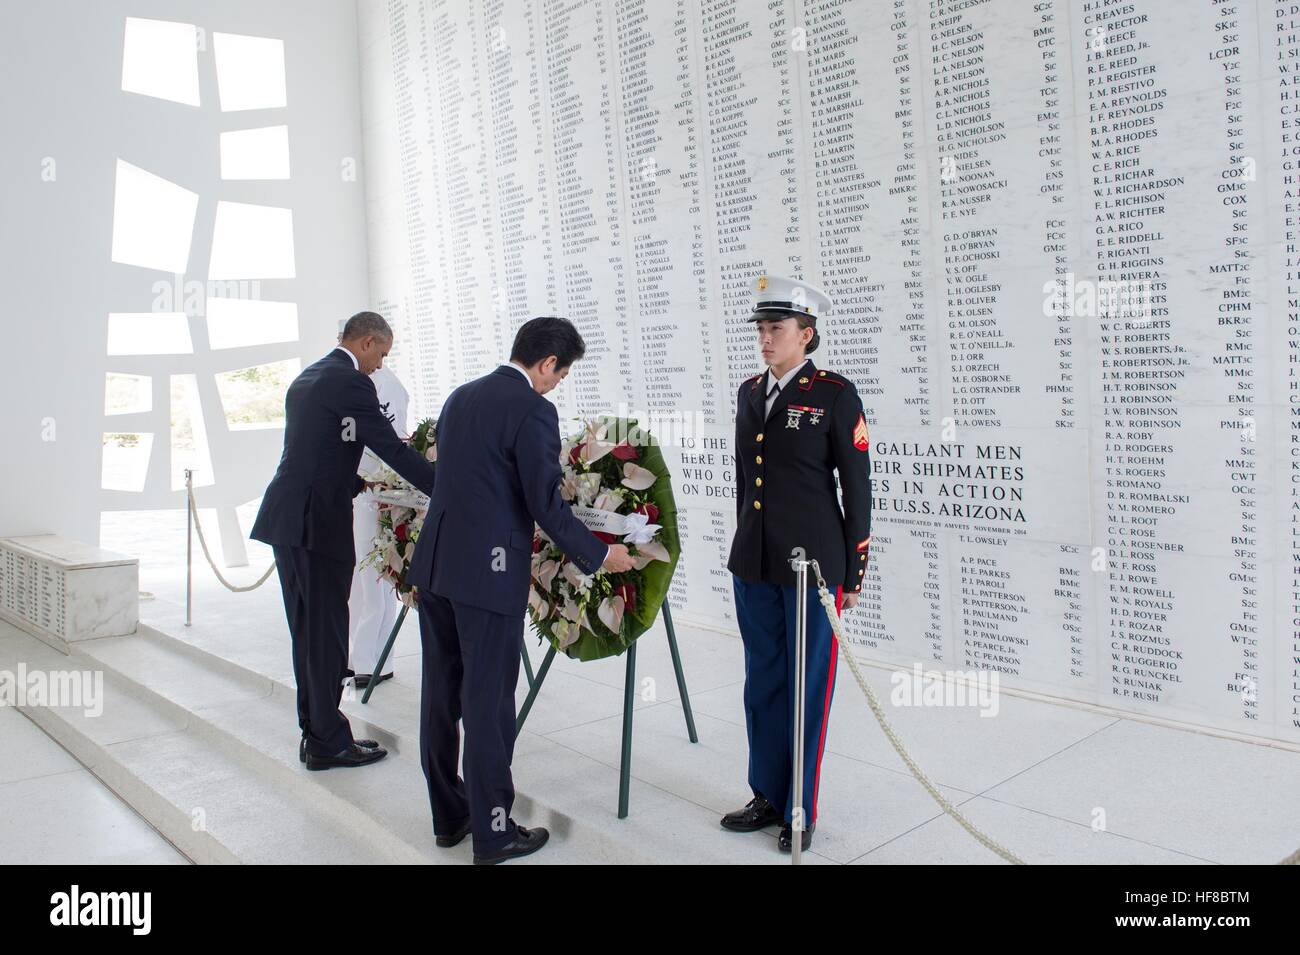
372	605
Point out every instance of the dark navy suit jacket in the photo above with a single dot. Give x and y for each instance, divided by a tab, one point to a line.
332	414
498	472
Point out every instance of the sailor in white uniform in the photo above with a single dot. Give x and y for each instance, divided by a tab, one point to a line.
372	605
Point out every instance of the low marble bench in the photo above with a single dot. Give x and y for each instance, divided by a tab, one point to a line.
62	591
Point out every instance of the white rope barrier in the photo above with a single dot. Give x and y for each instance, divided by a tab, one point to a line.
203	544
837	627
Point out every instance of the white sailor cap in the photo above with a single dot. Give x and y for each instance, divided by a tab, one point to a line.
775	296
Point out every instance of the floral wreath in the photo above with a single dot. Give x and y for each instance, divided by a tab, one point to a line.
615	479
399	525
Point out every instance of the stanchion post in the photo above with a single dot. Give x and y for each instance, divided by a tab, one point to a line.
800	639
189	545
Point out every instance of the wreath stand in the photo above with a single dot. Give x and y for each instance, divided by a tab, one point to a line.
383	657
629	685
535	686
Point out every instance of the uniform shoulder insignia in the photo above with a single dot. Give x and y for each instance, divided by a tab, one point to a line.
830	377
861	436
752	382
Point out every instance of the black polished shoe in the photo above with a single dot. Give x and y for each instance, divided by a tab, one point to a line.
354	755
757	814
362	680
363	743
785	841
526	842
446	842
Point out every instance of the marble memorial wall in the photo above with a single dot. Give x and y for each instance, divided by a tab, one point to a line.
1063	240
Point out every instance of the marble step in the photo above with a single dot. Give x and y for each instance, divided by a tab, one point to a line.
250	719
215	805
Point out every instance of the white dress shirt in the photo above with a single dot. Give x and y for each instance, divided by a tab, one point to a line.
774	386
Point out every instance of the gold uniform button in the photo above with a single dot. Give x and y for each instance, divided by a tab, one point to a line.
758	505
759	438
758	459
860	573
758	482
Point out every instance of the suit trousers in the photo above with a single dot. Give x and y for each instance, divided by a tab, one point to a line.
766	614
471	667
315	591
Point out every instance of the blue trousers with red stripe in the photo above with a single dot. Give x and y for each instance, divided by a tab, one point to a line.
766	613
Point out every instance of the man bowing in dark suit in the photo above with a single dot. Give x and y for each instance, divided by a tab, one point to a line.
332	414
498	473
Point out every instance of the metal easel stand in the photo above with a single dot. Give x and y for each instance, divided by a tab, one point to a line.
629	688
383	657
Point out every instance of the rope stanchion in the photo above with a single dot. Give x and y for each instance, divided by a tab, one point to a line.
203	545
828	603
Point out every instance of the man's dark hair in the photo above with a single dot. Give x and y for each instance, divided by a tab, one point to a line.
366	323
539	338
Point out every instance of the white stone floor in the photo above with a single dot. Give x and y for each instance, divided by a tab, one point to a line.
52	811
1036	777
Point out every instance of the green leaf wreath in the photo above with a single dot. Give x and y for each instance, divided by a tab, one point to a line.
614	473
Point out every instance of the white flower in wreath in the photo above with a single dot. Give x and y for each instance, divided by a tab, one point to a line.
650	551
577	579
594	445
538	604
637	477
394	559
588	488
609	499
570	610
566	633
546	573
611	613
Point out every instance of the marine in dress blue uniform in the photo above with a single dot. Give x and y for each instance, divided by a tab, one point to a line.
790	444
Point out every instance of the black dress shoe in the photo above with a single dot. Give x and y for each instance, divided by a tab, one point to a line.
362	680
526	842
785	841
354	755
757	814
446	842
363	743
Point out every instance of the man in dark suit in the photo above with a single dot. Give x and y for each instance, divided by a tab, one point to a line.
332	414
498	473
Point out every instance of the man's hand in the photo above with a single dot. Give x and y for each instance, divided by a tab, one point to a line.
618	559
848	601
